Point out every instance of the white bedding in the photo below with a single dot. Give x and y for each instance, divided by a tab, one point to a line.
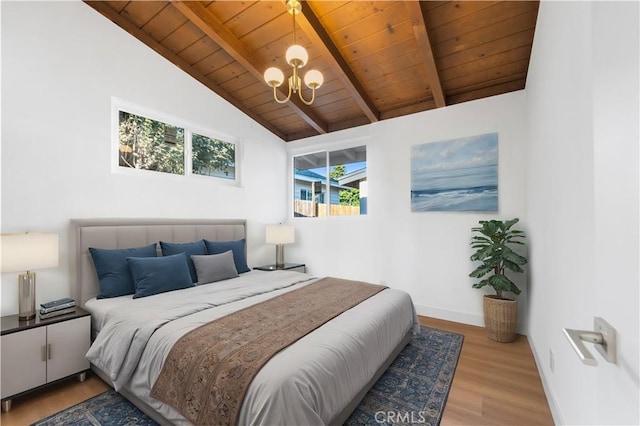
99	308
310	382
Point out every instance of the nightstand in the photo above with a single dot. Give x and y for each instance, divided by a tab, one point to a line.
297	267
38	352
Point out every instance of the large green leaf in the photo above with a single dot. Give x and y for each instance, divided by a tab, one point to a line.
481	284
508	224
512	266
500	282
482	253
512	256
481	240
481	271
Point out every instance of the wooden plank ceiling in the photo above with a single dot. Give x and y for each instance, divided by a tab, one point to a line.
380	59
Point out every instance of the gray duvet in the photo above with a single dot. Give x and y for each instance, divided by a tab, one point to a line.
310	382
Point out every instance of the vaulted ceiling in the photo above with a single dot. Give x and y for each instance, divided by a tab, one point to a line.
380	59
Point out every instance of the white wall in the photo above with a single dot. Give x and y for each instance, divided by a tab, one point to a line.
61	64
616	110
427	253
582	199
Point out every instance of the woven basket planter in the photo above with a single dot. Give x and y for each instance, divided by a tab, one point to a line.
500	318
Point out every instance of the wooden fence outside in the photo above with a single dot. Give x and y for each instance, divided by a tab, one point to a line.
311	209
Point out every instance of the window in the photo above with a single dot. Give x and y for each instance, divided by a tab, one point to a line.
213	157
147	142
330	183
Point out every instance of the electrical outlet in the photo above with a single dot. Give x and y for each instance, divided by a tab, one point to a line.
551	360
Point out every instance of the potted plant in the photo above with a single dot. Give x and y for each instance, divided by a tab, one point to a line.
491	241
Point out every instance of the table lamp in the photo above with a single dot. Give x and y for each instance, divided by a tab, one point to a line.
280	235
26	252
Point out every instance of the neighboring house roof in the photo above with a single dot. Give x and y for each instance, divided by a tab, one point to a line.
309	176
353	176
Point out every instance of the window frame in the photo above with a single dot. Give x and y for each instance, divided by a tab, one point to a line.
118	105
327	149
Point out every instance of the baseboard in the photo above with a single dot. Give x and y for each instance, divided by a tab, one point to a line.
548	391
462	317
448	315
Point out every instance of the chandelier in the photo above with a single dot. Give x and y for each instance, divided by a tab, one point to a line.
297	57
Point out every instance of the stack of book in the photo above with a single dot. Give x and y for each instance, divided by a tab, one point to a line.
57	307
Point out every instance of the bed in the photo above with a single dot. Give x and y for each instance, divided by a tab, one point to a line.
318	379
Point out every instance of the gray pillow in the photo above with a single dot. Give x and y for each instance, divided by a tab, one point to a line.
215	267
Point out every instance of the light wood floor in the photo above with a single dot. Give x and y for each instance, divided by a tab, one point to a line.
494	384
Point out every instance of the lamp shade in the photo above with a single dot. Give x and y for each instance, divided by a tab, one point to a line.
313	79
273	76
280	234
296	56
28	251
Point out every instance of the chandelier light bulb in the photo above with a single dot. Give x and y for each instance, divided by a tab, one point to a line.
273	76
297	56
313	79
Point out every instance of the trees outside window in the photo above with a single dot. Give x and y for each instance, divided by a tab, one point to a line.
145	143
150	145
213	157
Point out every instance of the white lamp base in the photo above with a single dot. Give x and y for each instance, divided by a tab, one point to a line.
26	296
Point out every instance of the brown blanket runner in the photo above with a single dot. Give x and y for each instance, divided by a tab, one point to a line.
208	371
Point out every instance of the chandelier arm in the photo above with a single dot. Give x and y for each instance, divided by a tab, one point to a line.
294	81
313	96
275	96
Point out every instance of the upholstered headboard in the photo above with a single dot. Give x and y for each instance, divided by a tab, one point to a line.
124	233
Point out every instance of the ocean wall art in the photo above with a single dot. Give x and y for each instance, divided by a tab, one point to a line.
455	175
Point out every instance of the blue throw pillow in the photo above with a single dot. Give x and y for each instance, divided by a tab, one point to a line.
114	277
160	274
196	248
238	249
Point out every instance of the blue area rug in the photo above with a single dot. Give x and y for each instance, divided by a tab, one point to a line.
107	409
413	390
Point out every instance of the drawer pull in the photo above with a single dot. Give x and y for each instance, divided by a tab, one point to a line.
49	351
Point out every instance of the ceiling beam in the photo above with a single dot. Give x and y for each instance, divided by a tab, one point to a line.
425	50
349	123
496	89
103	8
312	27
409	109
209	24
